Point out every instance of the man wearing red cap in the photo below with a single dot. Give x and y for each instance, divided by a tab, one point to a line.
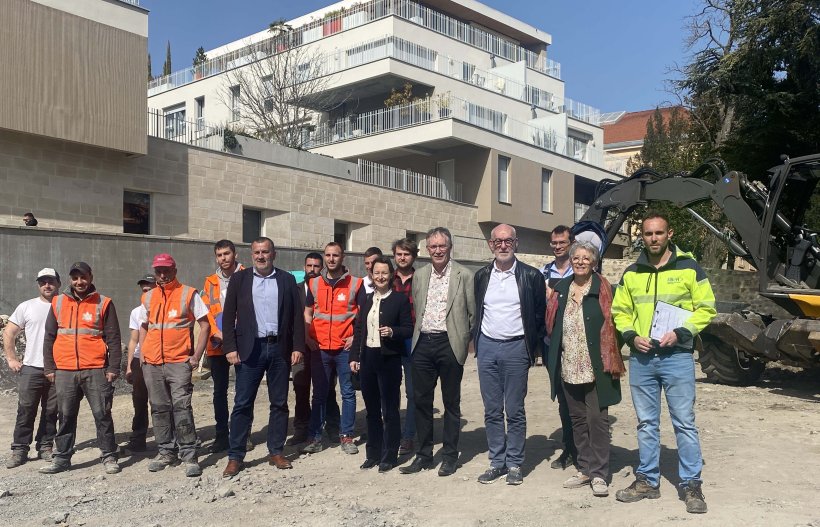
168	359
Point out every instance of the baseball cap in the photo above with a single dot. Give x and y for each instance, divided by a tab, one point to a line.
47	272
163	260
81	267
151	279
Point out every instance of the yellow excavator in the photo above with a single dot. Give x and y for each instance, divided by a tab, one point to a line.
775	227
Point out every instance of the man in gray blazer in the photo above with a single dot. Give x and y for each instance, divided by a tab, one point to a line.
444	300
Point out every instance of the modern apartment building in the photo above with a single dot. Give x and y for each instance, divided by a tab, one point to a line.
488	124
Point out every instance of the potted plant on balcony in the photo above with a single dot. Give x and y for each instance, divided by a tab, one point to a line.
282	34
443	103
199	61
332	22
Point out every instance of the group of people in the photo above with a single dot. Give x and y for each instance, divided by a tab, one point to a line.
397	325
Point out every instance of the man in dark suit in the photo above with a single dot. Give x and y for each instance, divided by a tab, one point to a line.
263	334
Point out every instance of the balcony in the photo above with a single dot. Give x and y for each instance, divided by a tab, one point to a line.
356	16
444	107
195	132
407	181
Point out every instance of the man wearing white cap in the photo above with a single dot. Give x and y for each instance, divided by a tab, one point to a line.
168	359
133	371
33	388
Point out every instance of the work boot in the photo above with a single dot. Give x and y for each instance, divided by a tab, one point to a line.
162	461
639	490
111	466
693	496
192	469
313	447
46	453
17	458
55	467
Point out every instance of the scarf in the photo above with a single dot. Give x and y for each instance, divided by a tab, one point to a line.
610	351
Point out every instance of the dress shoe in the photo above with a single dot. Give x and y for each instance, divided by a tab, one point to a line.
233	468
417	465
447	468
279	461
368	463
386	467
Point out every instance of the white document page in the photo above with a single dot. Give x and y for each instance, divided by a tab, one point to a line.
666	318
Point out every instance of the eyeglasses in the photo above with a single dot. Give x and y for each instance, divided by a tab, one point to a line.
508	242
437	247
581	259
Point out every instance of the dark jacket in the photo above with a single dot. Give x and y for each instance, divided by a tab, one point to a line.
609	389
532	293
241	334
394	311
111	335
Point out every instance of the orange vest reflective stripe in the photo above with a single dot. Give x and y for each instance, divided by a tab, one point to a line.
211	293
80	344
170	334
334	311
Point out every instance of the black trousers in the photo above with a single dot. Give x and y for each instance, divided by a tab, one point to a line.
567	438
433	359
221	374
380	376
590	424
139	398
35	391
301	374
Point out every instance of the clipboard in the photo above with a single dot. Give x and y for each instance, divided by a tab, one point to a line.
667	317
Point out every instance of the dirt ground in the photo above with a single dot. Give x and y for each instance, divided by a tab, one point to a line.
761	445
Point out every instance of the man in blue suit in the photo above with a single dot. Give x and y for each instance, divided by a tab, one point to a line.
263	334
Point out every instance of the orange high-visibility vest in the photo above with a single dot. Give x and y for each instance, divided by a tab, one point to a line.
334	311
211	293
170	336
80	344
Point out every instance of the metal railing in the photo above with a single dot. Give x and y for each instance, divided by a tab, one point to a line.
132	2
445	106
195	132
356	16
408	181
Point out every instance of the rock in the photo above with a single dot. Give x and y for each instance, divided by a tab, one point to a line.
57	518
5	493
225	492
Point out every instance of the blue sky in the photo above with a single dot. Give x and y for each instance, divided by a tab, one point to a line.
614	55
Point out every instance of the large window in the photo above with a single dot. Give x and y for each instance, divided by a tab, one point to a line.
136	212
200	113
251	225
546	191
341	234
503	179
175	121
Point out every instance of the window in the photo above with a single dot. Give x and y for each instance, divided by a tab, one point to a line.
200	113
267	92
235	113
136	212
413	236
446	172
251	225
175	121
341	234
503	179
546	195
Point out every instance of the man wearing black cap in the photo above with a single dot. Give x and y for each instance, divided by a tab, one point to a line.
81	355
33	389
133	371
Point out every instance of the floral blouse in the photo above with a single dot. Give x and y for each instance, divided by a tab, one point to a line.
576	365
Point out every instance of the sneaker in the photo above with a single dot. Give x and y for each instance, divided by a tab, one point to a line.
46	454
492	474
599	488
314	446
111	466
577	481
55	467
17	458
693	496
639	490
564	460
348	446
406	447
162	461
514	476
192	469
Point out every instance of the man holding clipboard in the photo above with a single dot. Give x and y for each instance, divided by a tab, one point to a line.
662	302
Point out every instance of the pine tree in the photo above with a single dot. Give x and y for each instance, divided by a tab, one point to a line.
150	76
166	67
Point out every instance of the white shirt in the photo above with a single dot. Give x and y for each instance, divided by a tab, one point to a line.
137	314
502	306
374	339
197	307
30	316
368	285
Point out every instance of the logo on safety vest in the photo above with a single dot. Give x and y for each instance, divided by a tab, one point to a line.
172	313
341	297
87	317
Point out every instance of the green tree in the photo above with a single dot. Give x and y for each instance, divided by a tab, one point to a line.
166	66
150	76
200	57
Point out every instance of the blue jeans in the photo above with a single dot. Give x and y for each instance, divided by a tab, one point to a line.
266	359
675	375
410	413
503	369
321	371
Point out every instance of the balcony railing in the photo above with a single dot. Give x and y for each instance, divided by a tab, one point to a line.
408	181
195	132
438	108
356	16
